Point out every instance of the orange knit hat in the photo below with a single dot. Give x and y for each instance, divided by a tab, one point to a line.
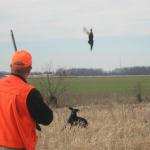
21	59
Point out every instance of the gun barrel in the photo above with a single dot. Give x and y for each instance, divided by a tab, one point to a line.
13	40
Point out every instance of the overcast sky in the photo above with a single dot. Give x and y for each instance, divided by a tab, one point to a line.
52	30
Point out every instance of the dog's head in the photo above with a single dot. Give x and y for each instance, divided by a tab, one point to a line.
73	111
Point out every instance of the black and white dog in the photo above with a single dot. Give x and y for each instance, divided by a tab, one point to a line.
75	120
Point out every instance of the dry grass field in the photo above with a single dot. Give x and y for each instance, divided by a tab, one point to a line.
111	127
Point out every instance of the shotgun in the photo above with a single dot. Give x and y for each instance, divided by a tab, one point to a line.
13	40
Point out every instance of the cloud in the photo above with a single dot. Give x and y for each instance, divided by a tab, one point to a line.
42	19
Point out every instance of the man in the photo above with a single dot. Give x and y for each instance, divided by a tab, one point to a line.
21	106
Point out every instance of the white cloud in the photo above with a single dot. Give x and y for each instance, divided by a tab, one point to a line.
65	18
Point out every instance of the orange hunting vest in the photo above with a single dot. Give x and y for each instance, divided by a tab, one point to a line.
17	129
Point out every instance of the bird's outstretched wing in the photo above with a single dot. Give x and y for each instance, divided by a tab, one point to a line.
86	31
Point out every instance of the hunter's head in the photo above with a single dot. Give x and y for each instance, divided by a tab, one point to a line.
21	63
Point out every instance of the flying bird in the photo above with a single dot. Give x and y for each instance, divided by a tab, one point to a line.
90	36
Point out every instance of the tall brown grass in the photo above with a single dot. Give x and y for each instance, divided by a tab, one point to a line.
111	127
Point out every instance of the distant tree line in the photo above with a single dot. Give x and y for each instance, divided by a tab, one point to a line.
100	72
131	71
93	72
80	72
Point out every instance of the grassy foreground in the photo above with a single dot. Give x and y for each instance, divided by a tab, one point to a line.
111	127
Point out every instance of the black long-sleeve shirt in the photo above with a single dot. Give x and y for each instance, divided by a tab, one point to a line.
38	110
